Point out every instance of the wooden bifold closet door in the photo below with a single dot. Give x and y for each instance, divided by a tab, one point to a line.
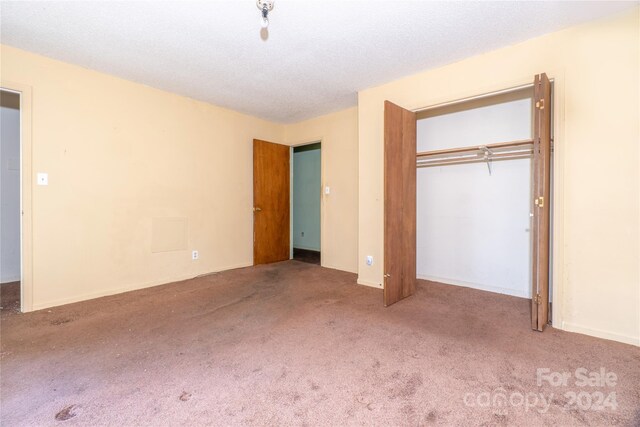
399	203
541	190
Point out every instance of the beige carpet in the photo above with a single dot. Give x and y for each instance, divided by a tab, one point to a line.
296	344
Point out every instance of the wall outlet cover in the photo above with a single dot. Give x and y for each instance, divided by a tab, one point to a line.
43	178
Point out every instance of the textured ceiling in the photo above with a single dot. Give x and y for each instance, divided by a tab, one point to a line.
316	57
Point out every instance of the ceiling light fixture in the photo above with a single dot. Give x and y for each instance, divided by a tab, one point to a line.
265	7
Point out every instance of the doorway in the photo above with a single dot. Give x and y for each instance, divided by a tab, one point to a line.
10	171
306	203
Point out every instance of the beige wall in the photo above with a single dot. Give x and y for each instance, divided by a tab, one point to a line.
339	223
119	155
135	172
597	220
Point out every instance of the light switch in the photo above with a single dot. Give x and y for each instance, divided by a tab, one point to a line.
327	190
43	178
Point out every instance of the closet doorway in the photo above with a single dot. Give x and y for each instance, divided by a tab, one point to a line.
306	202
10	228
482	195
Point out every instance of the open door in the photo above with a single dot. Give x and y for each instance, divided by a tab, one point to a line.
399	203
271	226
541	182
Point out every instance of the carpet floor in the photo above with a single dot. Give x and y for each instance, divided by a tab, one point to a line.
296	344
10	297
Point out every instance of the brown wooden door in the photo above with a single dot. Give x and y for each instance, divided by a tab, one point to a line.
271	225
399	203
541	182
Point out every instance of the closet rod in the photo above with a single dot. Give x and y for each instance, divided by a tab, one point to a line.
486	154
492	147
496	157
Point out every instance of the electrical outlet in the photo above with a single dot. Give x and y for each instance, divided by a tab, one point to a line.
369	260
194	255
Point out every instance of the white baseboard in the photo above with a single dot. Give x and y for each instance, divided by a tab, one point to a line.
598	333
128	288
340	268
10	279
478	286
368	283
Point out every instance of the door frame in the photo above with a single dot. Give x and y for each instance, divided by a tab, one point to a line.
322	186
558	159
26	202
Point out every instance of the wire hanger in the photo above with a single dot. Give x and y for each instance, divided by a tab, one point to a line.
487	156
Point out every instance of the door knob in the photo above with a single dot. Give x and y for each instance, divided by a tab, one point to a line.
257	209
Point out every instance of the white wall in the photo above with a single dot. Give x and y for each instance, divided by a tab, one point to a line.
10	188
472	227
306	199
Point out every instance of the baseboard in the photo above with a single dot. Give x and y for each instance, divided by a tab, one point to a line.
10	280
479	286
368	283
598	333
340	268
129	288
306	248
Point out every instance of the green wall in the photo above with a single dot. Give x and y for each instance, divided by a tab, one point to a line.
306	197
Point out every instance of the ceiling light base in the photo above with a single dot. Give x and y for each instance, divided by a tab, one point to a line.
265	7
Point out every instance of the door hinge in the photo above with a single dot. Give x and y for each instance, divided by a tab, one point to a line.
540	104
539	202
537	299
